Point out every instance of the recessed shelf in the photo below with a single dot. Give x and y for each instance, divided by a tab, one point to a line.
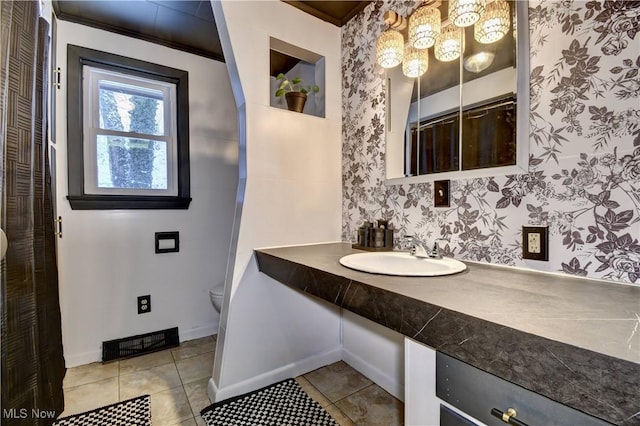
294	61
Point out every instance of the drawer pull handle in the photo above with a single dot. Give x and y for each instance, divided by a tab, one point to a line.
508	416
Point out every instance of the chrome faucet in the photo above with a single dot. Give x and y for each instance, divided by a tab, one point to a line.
419	248
435	251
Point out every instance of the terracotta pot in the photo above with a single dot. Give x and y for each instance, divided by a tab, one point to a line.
296	101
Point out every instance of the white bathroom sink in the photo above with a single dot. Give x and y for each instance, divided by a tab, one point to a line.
401	264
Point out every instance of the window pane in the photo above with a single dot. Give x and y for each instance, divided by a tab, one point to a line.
131	163
130	108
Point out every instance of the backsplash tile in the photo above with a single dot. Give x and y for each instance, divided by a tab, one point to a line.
584	171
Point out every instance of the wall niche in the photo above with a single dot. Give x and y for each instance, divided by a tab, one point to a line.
294	61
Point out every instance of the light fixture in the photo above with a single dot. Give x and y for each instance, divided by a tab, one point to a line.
415	62
494	24
424	27
449	44
389	49
492	19
479	62
464	13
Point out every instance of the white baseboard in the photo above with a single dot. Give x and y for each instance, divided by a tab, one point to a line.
196	333
82	359
374	374
291	370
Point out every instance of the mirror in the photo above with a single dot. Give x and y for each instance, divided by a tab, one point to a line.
464	118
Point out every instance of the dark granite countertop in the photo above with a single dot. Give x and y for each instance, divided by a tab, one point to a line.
576	341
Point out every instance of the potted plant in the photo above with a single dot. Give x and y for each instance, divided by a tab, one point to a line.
294	92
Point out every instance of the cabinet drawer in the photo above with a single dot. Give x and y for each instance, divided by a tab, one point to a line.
476	393
448	417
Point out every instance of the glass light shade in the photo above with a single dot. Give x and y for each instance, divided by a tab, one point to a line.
494	24
389	49
479	62
449	44
415	62
424	27
464	13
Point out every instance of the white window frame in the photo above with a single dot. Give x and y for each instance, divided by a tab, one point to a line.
91	129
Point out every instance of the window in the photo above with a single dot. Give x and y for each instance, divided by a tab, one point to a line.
128	135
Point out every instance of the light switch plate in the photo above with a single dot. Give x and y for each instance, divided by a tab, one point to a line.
167	242
535	242
441	193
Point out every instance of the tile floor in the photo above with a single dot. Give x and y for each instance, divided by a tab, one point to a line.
177	381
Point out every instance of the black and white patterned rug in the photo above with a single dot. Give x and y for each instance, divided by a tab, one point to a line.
133	412
283	403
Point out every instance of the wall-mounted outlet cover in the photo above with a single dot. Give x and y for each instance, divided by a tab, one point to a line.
535	242
441	193
144	304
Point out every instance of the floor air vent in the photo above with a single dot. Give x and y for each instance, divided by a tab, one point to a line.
138	345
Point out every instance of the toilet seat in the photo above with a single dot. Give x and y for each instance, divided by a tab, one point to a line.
216	294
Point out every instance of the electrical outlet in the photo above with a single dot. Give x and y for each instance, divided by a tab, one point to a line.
144	304
535	242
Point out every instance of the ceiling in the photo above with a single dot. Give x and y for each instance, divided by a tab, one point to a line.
186	25
182	25
336	12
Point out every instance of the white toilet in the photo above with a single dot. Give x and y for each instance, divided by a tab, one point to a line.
216	294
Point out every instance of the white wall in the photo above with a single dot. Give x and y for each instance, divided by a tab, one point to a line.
375	351
291	195
106	258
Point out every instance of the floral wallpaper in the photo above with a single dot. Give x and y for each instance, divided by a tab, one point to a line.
584	168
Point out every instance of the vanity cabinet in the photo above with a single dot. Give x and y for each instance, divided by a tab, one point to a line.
421	405
531	344
441	390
